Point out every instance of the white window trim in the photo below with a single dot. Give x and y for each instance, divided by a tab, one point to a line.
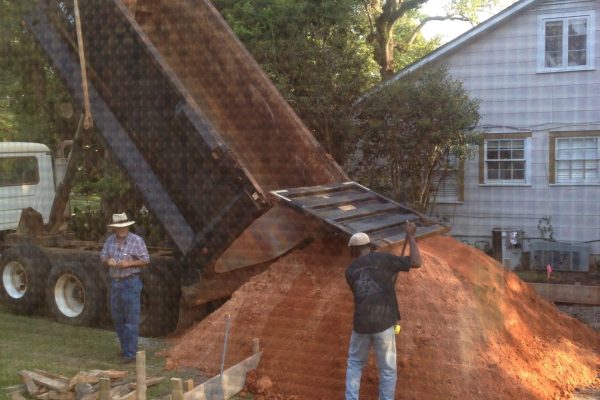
456	170
499	182
591	42
573	182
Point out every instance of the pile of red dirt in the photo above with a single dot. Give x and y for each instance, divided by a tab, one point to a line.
470	330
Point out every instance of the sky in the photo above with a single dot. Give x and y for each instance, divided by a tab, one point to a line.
448	30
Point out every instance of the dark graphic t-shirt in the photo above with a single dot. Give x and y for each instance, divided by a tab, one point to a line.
372	280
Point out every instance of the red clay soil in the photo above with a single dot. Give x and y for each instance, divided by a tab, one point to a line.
470	330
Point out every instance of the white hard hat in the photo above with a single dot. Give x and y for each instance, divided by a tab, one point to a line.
359	239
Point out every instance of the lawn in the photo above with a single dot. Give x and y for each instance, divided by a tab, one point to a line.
83	202
38	343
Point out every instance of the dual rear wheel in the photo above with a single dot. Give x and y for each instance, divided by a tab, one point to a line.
77	292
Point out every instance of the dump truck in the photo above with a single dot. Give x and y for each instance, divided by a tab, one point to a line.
218	156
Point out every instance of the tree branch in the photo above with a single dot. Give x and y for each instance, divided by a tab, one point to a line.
416	31
405	7
371	26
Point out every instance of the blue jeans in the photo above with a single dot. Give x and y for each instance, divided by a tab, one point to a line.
125	308
384	344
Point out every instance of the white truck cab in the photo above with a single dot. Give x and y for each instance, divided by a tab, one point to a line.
26	180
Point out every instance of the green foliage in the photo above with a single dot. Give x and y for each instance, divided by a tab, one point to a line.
407	131
395	25
30	91
408	51
315	53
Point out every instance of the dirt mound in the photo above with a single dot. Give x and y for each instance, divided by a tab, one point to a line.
470	330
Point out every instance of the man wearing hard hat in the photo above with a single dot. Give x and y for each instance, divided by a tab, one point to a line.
125	254
372	278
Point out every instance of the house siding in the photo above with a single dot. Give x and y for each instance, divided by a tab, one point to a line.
500	68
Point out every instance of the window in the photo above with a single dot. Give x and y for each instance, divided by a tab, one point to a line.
575	158
16	171
566	42
505	161
448	181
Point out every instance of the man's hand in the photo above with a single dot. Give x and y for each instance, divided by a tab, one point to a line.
410	229
112	262
124	264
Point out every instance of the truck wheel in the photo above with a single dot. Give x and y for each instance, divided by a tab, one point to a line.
160	308
24	270
74	294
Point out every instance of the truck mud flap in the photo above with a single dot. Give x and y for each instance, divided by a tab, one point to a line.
347	208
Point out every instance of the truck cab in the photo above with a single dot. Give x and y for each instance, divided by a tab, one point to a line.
26	180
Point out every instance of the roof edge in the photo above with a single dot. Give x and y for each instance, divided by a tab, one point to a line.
453	44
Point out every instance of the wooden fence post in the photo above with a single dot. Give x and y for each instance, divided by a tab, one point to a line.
104	388
140	368
176	389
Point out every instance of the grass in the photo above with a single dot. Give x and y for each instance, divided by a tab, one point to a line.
38	343
83	202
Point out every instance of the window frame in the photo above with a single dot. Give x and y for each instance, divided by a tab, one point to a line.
552	156
457	168
483	161
36	177
590	16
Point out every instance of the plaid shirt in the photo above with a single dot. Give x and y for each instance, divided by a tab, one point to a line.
133	248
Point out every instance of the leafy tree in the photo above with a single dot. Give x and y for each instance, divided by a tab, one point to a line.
408	130
31	95
314	52
36	107
389	20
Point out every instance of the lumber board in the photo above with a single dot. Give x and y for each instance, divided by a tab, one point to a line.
232	382
52	384
129	396
50	375
14	388
83	377
149	382
30	385
16	396
55	395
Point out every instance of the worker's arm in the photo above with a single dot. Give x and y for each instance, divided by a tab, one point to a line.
138	257
106	261
415	254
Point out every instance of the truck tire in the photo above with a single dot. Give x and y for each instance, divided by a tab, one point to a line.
74	294
160	308
24	271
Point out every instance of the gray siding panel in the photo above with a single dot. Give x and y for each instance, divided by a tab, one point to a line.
500	68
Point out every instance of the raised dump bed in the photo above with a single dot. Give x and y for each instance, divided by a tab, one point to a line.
192	119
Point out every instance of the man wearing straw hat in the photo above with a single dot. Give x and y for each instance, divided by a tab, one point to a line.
125	254
372	279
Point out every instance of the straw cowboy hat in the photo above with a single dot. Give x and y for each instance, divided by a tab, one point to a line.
120	221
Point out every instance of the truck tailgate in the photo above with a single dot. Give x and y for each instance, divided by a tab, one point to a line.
347	208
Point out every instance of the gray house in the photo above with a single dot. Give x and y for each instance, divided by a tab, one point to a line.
535	68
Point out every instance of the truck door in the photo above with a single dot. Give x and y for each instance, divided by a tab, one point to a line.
25	181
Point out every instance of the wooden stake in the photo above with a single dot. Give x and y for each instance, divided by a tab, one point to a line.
140	368
255	345
189	385
104	388
176	389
